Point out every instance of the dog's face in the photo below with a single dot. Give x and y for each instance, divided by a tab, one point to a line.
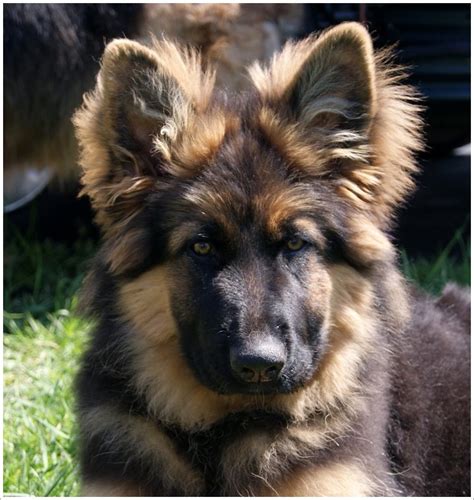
246	270
239	209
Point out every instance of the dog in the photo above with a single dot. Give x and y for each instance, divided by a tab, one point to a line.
254	335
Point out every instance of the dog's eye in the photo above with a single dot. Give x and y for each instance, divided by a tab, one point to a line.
295	244
202	248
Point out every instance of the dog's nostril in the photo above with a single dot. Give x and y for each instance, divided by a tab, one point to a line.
248	375
271	373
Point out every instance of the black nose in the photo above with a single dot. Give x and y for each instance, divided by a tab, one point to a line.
260	362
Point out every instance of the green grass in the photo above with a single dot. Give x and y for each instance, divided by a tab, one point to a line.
432	274
39	441
42	346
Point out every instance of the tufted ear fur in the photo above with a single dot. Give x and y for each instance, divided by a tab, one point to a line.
324	82
336	110
130	125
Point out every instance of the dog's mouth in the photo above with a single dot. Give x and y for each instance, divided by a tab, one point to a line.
257	389
226	384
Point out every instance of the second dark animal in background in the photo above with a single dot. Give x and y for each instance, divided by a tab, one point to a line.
52	54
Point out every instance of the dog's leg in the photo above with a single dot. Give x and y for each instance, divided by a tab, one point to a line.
131	455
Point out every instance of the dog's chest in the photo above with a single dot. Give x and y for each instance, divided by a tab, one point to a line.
228	456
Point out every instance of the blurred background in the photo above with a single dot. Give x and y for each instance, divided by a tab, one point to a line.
51	57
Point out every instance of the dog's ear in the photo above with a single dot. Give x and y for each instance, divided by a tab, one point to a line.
129	125
324	82
334	109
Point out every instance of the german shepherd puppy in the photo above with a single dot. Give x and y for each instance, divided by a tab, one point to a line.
254	335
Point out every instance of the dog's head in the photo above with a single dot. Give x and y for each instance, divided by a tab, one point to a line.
240	227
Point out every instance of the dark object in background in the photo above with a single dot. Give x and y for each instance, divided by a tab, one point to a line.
439	208
51	57
434	42
54	214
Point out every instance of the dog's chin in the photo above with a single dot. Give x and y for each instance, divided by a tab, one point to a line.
226	386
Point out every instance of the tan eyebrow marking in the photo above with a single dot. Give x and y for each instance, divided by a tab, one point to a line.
309	227
182	234
280	205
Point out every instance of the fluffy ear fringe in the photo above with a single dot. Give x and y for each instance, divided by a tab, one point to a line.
372	169
330	72
166	92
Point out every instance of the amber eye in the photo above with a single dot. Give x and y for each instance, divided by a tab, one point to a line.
295	244
202	248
